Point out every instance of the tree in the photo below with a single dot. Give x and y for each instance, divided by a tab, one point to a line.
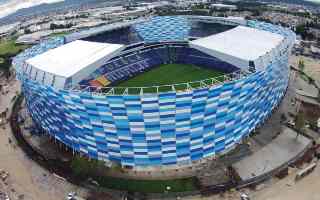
27	31
301	65
80	167
300	122
300	29
256	13
283	117
221	15
83	168
5	64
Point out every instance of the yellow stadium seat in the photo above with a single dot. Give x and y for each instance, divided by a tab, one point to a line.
103	80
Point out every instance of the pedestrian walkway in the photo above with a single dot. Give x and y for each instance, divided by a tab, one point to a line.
282	150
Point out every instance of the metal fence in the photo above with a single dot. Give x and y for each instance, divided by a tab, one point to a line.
178	87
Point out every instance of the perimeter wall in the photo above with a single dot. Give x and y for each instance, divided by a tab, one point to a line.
158	129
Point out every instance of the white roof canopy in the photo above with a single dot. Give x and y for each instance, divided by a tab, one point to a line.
75	60
240	45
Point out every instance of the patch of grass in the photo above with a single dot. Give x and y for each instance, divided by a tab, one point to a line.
170	74
149	186
10	47
83	169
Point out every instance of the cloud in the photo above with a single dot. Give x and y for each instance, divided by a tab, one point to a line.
14	5
315	1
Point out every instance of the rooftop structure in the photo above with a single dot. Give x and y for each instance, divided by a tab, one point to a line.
223	6
240	46
74	61
101	29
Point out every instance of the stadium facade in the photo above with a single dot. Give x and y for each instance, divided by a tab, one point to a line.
70	89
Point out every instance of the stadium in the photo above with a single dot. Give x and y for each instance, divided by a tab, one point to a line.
158	91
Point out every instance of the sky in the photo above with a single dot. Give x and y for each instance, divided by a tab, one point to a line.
10	6
317	1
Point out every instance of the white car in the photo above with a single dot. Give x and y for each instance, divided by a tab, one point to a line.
244	196
71	196
4	196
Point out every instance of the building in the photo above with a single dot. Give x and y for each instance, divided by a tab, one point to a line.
7	30
187	3
70	88
220	6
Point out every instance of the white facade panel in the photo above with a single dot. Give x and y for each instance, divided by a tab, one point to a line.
49	78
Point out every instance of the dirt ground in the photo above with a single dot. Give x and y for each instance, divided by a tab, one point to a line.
26	180
312	66
285	189
288	189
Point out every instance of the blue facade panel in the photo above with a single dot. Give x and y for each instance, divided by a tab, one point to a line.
157	129
165	28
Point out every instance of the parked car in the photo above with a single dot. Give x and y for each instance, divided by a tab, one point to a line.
71	196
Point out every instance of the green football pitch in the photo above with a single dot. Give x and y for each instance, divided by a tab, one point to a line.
170	74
